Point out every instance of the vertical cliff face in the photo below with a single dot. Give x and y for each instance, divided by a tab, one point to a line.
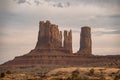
49	36
85	41
68	41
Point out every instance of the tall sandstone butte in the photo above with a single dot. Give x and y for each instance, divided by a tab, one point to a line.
68	41
50	38
85	41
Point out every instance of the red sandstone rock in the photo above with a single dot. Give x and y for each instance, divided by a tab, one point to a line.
68	41
49	36
85	41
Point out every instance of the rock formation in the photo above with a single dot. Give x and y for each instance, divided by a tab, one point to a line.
68	41
50	38
50	52
85	41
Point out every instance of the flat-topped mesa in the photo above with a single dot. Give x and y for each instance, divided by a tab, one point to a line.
49	36
85	41
68	41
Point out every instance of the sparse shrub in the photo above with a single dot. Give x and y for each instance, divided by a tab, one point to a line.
41	74
102	77
92	71
2	75
117	76
75	73
77	78
8	72
60	73
68	78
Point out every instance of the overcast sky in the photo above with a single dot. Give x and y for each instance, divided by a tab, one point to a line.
19	24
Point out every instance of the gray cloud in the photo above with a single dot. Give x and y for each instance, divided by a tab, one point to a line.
20	1
99	33
37	2
61	5
67	3
112	21
100	3
53	3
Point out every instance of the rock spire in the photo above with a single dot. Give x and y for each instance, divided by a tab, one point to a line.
68	41
85	41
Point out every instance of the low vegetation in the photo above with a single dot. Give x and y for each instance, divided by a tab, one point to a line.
73	73
2	75
8	72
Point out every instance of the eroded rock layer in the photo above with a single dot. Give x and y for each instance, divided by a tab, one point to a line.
57	58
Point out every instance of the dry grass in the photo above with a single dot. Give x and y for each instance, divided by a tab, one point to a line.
71	73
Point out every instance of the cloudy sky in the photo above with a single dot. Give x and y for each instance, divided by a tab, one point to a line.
19	21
